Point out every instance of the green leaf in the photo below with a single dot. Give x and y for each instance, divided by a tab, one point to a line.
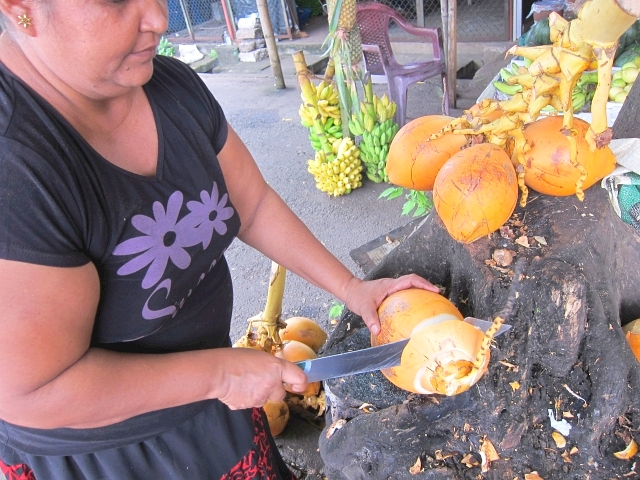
333	22
420	211
408	206
391	193
336	309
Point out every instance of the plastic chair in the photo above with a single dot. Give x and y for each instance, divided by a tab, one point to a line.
373	21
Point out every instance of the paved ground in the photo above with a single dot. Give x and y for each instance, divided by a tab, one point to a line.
267	120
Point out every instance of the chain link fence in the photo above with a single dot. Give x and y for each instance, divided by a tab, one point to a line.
191	20
477	20
214	20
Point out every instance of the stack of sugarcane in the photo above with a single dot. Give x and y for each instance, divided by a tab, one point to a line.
336	167
586	43
375	124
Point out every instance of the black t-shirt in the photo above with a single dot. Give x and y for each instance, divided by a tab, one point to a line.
157	243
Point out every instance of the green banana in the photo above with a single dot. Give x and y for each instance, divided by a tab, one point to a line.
587	78
505	74
578	101
507	89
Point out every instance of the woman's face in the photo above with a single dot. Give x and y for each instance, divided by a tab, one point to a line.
97	47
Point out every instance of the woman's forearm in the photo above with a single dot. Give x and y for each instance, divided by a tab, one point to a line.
106	387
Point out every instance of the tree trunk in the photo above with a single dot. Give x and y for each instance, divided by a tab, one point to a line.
627	124
566	356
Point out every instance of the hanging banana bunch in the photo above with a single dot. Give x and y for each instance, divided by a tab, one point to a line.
328	107
585	43
336	167
375	124
340	175
320	110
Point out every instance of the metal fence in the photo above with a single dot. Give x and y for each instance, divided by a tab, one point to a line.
477	20
214	20
191	20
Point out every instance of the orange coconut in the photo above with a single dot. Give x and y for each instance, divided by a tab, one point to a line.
548	167
475	192
406	311
402	315
413	160
277	416
304	330
632	333
294	351
440	359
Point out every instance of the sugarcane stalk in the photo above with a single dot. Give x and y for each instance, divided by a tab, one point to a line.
344	95
264	328
271	318
330	70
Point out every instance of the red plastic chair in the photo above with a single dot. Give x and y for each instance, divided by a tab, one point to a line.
373	21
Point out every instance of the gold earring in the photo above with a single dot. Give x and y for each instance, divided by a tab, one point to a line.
24	20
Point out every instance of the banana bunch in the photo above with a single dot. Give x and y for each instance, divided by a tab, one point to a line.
327	105
374	149
375	124
332	129
340	175
515	79
378	111
323	105
502	85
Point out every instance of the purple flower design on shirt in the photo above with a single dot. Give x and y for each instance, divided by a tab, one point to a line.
209	215
164	238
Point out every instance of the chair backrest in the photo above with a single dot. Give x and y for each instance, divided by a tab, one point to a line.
373	22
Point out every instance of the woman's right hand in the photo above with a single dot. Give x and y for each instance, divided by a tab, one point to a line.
248	378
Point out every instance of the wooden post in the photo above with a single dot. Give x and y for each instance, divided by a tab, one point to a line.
444	9
452	50
420	13
272	49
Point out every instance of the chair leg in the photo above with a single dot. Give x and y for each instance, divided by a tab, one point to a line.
445	95
400	94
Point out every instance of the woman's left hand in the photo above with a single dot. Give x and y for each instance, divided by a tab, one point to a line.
364	297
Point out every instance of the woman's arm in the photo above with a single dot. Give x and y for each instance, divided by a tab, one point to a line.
272	228
51	378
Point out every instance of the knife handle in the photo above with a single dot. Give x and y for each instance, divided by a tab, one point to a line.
305	365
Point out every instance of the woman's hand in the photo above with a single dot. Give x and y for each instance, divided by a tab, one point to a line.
364	297
248	378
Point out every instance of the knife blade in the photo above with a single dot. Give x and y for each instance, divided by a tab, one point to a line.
370	359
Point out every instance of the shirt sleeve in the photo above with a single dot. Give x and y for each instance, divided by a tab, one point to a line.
40	216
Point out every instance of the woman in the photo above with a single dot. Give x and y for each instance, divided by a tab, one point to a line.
121	185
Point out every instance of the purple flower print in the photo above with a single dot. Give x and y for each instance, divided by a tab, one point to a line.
209	215
164	238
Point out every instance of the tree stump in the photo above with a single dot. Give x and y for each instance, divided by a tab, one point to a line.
566	359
